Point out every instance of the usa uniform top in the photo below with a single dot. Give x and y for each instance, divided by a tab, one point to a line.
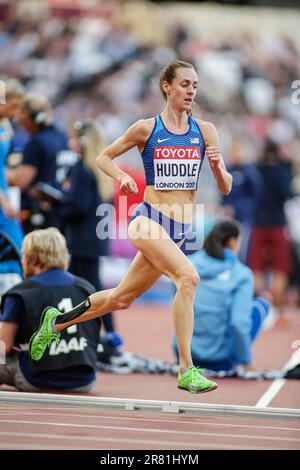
173	161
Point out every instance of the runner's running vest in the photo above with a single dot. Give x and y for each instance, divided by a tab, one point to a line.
78	345
173	161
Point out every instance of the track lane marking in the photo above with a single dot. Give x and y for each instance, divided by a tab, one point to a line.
277	384
133	418
147	430
176	444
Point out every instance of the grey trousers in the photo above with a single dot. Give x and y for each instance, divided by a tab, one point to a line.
11	374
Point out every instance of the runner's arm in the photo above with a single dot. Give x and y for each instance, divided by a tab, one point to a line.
215	159
136	135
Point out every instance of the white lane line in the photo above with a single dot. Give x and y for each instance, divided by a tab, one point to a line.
114	441
147	430
133	418
271	393
277	384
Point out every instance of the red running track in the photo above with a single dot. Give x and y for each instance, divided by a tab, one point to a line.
148	330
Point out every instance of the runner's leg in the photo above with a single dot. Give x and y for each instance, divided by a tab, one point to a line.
140	276
157	255
168	259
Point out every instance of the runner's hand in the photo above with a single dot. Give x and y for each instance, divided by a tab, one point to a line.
213	154
128	185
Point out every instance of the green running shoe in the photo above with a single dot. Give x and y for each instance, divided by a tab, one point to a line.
194	381
45	335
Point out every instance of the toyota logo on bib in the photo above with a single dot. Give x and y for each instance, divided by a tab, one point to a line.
177	153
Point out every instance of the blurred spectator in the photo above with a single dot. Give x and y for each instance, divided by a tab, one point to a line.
246	191
270	247
71	365
292	211
40	157
62	56
227	316
9	223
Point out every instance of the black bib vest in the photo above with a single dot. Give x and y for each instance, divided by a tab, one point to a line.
78	345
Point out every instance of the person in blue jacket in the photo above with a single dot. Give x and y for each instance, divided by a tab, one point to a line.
10	227
227	316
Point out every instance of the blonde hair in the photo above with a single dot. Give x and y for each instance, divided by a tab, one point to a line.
92	143
39	108
46	248
14	88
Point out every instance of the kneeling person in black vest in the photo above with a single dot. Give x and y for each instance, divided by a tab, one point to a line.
69	365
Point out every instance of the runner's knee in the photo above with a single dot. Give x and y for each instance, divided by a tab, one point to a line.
187	280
